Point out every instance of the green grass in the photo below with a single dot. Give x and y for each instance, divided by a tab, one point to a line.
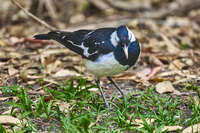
86	111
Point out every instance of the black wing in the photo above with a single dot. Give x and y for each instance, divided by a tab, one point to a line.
71	40
88	43
99	42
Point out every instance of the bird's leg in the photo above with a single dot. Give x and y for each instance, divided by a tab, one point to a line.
117	86
102	93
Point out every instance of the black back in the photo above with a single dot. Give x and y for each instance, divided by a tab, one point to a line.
97	41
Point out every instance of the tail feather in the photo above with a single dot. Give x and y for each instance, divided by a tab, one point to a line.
48	36
64	38
42	37
68	39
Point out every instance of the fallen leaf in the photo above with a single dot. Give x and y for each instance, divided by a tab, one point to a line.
2	54
64	73
32	71
14	40
2	63
24	75
176	65
9	120
144	73
172	128
192	129
47	53
63	106
3	43
189	62
47	98
125	76
154	60
164	87
15	55
4	98
77	18
176	92
52	67
139	122
157	79
12	71
7	112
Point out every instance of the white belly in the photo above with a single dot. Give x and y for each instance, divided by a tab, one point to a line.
106	65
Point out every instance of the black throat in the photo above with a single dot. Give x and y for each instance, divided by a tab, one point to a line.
133	54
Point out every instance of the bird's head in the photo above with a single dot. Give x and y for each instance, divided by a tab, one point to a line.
125	38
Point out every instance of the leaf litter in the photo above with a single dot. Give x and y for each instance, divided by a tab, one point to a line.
170	59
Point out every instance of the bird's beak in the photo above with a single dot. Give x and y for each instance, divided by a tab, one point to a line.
125	48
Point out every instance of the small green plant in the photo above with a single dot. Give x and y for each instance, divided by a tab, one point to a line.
24	103
86	111
2	129
44	109
10	90
195	114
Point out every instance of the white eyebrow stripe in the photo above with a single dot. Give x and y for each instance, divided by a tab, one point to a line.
131	35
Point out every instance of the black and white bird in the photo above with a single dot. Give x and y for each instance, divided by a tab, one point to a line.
107	51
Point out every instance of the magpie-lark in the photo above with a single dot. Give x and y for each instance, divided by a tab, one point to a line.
106	51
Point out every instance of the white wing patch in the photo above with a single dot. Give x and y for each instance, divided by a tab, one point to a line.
85	49
63	37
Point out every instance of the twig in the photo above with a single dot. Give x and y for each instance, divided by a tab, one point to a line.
97	120
33	16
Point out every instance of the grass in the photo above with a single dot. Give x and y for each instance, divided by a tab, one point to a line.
85	111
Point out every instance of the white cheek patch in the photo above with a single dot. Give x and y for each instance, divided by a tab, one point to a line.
114	39
131	35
